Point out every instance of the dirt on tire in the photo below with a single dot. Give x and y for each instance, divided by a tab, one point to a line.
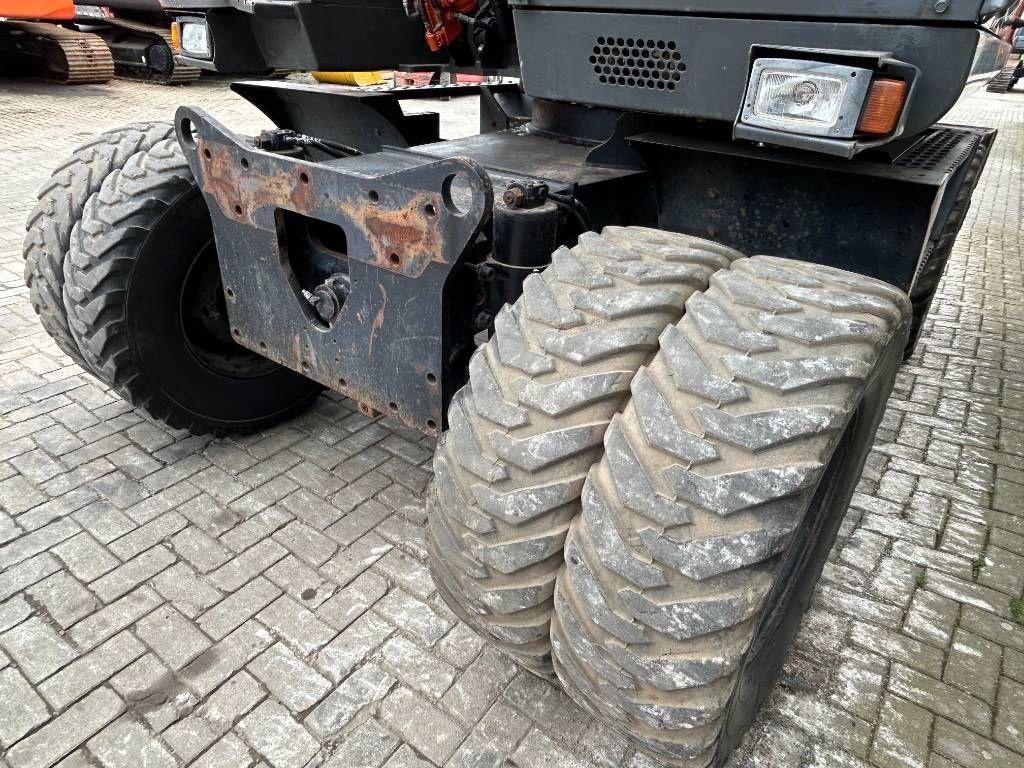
525	430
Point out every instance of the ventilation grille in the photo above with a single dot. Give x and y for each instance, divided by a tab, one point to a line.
944	149
633	63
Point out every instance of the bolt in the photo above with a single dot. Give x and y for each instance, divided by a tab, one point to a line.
941	6
514	196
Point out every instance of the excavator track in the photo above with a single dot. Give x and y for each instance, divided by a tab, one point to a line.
55	52
1005	80
178	74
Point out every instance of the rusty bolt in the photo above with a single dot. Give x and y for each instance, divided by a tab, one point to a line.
514	196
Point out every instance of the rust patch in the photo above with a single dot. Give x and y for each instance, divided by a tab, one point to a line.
405	240
239	191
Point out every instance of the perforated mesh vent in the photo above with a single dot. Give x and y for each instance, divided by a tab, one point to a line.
637	63
945	148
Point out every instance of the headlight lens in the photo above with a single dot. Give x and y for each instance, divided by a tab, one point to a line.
195	39
795	96
806	97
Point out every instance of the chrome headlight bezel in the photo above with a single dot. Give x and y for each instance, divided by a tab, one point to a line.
855	81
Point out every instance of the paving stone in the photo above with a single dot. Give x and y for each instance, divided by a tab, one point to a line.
899	647
89	671
367	746
348	650
191	735
823	722
301	582
364	518
21	709
246	566
931	618
255	529
859	682
290	679
422	725
406	757
37	648
414	616
147	535
306	542
133	573
182	586
973	665
1001	631
229	751
1009	723
66	732
271	731
353	560
86	558
298	625
903	733
219	662
237	608
407	572
461	645
127	744
478	686
492	740
364	687
152	692
64	598
350	603
417	668
1013	664
37	541
968	748
174	638
538	751
940	698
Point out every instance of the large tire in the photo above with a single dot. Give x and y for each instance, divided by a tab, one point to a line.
706	524
59	207
940	248
145	305
525	430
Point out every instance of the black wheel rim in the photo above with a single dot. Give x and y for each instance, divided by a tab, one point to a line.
205	326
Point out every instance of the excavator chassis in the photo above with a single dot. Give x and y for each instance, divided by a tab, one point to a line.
400	342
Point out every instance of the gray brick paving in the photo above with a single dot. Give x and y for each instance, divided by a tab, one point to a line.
169	600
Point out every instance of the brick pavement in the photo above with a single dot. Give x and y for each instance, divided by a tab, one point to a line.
169	600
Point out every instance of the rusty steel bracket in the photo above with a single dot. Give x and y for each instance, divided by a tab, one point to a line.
400	230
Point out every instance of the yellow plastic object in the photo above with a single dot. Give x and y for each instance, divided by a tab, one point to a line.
349	78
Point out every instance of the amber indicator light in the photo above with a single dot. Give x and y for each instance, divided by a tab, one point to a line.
883	107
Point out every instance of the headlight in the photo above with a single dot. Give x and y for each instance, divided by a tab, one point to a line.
195	39
801	98
819	99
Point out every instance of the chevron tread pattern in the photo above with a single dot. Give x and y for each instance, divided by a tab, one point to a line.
106	245
523	433
59	207
706	474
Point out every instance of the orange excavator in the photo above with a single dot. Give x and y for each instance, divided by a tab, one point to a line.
37	38
89	41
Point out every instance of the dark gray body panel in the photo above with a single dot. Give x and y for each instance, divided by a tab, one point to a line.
555	49
848	10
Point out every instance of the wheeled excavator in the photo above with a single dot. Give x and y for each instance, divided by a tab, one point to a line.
650	315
